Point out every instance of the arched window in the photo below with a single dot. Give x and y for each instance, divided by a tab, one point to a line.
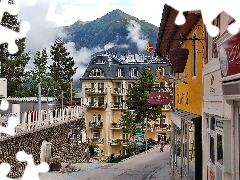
96	73
99	118
94	118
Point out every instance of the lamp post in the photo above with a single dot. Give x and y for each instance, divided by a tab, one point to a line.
62	100
146	132
39	101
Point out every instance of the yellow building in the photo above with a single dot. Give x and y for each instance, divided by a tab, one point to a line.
174	43
104	89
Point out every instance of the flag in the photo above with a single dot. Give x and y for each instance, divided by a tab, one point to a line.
149	47
105	47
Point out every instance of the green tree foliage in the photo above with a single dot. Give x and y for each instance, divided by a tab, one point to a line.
62	68
137	100
39	74
13	65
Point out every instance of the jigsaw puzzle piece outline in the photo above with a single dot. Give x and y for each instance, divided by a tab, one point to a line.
51	16
6	7
31	171
9	36
4	170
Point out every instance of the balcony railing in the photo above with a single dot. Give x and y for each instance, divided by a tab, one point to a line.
115	126
96	105
97	140
119	91
115	142
96	91
116	105
163	127
95	124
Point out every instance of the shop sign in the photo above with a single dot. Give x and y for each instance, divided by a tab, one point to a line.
229	56
219	124
138	134
159	98
211	174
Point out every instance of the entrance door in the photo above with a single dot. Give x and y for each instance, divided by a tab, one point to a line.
237	139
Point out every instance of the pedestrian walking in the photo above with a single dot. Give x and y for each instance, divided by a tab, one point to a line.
161	143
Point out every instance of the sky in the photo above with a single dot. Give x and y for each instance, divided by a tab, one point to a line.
84	10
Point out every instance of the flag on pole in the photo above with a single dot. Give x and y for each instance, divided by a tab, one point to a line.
105	47
149	47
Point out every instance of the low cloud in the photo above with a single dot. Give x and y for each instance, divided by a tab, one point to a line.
136	35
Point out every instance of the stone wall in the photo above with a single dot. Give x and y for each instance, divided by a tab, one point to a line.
31	143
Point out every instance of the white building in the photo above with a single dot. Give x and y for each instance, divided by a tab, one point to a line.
221	104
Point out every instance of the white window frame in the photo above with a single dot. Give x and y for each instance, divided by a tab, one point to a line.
133	72
94	118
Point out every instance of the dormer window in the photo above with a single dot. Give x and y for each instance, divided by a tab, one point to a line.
133	72
96	73
120	72
99	61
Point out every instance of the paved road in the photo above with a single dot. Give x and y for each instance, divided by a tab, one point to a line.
153	165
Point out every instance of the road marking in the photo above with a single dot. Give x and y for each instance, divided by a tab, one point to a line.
82	172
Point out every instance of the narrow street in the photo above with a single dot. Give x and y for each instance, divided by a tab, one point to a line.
153	165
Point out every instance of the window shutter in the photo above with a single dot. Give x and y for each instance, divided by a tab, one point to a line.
205	45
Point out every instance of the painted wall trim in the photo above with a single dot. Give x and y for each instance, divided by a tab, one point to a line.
235	76
211	69
213	98
212	111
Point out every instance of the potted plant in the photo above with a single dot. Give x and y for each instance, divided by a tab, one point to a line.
55	164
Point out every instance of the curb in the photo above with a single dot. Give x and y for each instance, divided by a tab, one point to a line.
140	153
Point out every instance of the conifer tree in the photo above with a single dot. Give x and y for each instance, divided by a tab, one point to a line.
13	65
137	100
62	68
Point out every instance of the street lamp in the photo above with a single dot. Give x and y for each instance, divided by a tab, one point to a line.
146	131
62	100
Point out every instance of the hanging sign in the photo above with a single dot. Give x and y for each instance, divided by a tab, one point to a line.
159	98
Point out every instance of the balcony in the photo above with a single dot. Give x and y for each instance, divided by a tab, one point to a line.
96	125
116	105
96	105
96	140
163	127
166	107
118	91
96	91
125	142
115	142
115	126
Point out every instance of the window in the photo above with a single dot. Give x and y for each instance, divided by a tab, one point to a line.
219	149
96	134
118	99
96	73
194	56
101	85
133	72
99	118
162	84
210	44
99	61
212	151
120	72
125	136
130	85
94	118
212	125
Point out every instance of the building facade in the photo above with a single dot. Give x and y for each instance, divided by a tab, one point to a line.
104	89
186	114
221	103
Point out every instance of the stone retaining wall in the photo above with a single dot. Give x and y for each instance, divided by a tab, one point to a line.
31	143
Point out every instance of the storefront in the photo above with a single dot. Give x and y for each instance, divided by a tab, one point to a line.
229	57
186	144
